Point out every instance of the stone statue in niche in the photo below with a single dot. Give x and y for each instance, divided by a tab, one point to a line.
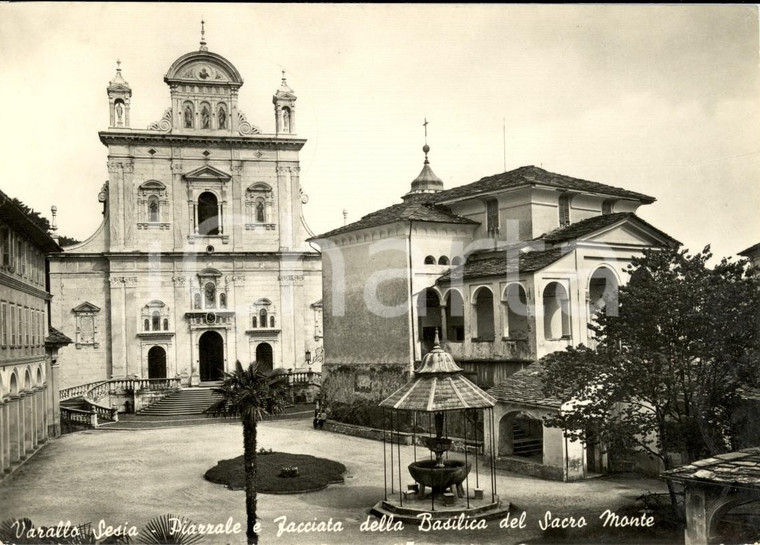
222	119
188	117
204	118
119	113
285	120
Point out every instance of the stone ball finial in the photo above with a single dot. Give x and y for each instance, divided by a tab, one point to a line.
425	148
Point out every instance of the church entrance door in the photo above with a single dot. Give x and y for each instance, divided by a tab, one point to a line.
211	352
156	362
264	356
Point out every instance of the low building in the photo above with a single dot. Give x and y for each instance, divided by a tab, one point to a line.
508	268
29	371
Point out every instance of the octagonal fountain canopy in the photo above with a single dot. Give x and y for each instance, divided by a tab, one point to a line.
438	385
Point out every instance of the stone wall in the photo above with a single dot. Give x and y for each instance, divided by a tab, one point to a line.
345	383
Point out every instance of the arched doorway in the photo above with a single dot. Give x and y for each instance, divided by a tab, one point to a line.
521	435
429	318
211	355
156	362
264	356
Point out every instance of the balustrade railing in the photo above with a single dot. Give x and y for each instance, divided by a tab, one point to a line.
92	392
77	391
304	377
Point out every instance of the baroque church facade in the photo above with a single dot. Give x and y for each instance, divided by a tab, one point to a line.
201	257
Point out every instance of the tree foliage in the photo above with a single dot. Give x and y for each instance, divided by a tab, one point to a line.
664	371
249	394
42	222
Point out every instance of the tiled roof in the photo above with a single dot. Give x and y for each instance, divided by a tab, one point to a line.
750	250
503	263
531	175
16	218
413	210
590	225
433	393
525	386
55	337
740	469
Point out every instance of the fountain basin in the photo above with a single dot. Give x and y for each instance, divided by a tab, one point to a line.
439	478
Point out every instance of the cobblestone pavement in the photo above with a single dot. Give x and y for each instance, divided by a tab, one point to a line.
128	477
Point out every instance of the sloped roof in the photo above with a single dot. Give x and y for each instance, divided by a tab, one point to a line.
751	250
406	211
589	225
18	220
740	469
525	386
56	338
501	264
531	175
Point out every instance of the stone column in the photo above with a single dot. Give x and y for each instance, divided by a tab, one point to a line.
444	327
15	429
115	215
129	214
40	417
44	420
178	225
118	333
3	439
33	414
54	410
130	326
28	422
237	216
284	219
181	304
498	325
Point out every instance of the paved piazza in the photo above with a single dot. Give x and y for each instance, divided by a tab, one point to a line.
128	477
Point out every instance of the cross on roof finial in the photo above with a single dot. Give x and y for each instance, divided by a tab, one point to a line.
426	148
283	76
203	35
118	65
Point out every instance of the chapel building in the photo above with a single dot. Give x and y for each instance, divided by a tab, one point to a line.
201	257
507	269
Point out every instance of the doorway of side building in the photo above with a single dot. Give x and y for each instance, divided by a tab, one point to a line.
156	362
264	356
211	354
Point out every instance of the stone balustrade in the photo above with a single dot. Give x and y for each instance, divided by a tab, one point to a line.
304	377
77	391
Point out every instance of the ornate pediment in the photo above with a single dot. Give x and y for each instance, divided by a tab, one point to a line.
203	67
86	308
207	172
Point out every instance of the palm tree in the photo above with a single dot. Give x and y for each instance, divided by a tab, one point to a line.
249	394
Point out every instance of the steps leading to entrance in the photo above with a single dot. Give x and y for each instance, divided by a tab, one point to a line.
188	401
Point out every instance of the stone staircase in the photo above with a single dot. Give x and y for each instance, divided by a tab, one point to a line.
187	401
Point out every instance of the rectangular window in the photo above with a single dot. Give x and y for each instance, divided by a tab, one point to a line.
12	325
5	249
492	216
3	324
19	326
27	327
564	210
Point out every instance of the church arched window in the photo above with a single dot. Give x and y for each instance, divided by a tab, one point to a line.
260	215
221	117
254	322
222	300
271	321
286	120
155	320
205	116
166	324
197	301
210	292
153	209
263	317
147	325
208	214
187	115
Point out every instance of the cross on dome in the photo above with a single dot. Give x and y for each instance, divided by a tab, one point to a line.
203	36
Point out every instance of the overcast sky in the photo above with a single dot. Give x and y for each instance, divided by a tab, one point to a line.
663	100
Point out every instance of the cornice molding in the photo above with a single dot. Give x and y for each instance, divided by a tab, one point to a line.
253	141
